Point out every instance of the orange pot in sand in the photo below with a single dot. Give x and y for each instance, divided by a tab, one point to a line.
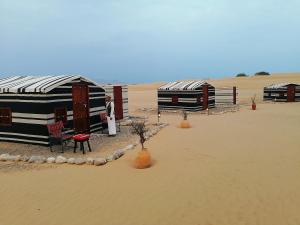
185	124
143	160
253	106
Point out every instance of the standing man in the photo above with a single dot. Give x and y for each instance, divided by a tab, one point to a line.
110	112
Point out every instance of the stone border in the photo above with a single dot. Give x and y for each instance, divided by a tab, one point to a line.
79	160
217	110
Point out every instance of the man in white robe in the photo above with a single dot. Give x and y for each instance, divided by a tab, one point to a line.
110	112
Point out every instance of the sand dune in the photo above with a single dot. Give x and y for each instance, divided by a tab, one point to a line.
234	168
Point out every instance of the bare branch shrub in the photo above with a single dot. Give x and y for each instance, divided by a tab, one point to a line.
184	114
139	128
253	99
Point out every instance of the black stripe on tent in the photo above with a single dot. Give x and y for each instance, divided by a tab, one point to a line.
24	128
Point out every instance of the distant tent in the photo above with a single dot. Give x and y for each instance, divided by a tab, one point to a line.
188	95
283	92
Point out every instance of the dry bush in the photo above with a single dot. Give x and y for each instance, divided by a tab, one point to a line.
253	99
139	127
184	114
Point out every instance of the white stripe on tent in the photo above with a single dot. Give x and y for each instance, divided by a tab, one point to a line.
23	140
70	87
36	101
180	107
32	115
97	97
51	115
95	124
97	108
95	113
95	129
69	131
32	121
25	135
164	100
181	91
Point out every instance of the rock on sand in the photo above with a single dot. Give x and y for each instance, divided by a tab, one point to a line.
99	161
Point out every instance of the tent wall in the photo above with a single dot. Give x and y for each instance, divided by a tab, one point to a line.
191	100
280	94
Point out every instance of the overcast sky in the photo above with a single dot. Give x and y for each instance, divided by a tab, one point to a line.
142	41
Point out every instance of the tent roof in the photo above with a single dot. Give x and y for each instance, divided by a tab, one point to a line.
183	85
36	84
280	85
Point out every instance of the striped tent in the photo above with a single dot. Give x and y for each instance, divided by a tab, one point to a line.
188	95
283	92
29	103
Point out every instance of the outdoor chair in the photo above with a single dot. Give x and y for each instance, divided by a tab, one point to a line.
81	138
57	135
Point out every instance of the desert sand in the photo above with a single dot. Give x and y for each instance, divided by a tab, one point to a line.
228	169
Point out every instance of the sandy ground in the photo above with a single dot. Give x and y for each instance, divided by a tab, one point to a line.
234	168
101	146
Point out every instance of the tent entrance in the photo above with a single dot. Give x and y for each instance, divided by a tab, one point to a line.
118	100
81	122
291	93
205	97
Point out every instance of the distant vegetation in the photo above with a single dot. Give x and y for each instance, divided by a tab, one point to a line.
262	73
241	75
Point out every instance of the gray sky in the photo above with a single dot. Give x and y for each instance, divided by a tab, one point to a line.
142	41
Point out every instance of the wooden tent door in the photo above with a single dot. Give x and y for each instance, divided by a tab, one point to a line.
291	93
81	122
118	100
205	97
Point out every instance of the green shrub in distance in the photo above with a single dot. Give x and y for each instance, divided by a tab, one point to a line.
241	75
262	73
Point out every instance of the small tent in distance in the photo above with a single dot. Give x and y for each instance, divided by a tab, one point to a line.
188	95
283	92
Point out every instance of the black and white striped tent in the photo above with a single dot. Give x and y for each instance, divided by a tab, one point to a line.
283	92
29	103
188	95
